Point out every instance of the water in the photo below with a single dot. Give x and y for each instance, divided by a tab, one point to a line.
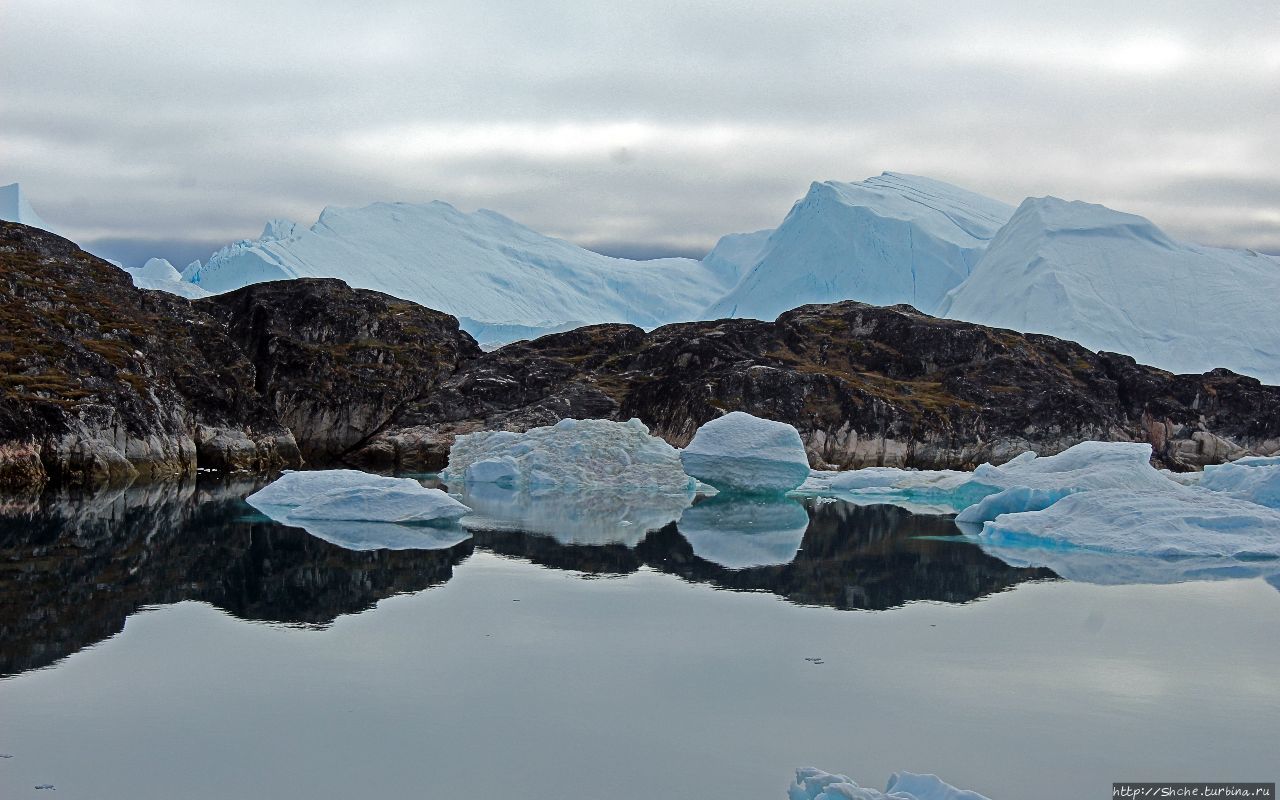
166	642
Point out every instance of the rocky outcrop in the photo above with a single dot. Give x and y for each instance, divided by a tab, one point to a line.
102	383
338	364
864	385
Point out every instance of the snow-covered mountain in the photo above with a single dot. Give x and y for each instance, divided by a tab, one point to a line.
15	208
890	239
484	268
1114	281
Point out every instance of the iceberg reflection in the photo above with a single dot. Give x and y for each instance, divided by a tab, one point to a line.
742	531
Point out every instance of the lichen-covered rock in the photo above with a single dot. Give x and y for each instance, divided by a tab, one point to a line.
102	383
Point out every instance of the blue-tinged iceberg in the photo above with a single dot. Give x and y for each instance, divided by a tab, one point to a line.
814	784
743	453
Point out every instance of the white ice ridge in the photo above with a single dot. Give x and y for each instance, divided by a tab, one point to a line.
814	784
1114	281
159	274
744	453
579	454
481	267
890	239
15	208
346	494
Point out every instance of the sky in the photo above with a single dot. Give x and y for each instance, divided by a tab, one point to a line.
639	128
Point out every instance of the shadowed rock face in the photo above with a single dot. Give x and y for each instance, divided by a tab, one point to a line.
338	364
102	383
864	385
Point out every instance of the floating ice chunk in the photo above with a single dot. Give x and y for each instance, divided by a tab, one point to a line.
1184	523
407	502
351	535
297	487
1253	479
596	516
738	532
740	452
814	784
584	454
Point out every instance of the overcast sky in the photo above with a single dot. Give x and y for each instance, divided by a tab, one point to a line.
639	127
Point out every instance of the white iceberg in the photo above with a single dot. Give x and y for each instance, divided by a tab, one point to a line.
160	275
14	207
361	511
814	784
579	454
597	516
744	453
1114	281
408	502
889	239
1254	479
739	532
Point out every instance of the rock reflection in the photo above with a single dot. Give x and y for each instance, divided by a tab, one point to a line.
73	568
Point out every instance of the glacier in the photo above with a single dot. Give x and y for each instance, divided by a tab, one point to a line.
573	453
1114	281
482	267
814	784
886	240
744	453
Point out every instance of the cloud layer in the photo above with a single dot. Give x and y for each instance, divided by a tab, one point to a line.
634	126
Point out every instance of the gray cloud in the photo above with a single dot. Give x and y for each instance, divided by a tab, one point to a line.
648	127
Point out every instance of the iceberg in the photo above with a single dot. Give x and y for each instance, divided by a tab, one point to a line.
360	511
889	239
1115	281
740	532
14	207
743	453
160	275
1254	479
597	516
814	784
500	278
1122	536
579	454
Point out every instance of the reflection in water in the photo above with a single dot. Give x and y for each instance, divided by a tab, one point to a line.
73	568
595	517
740	532
1113	569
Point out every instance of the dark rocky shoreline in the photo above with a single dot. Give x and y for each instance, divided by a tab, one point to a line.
105	384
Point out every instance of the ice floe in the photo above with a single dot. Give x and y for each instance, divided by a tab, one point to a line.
738	532
743	453
573	453
361	511
814	784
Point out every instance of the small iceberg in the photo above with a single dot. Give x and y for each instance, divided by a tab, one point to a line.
742	453
573	453
739	532
814	784
361	511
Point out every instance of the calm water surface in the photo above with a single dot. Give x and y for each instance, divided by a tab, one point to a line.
173	643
